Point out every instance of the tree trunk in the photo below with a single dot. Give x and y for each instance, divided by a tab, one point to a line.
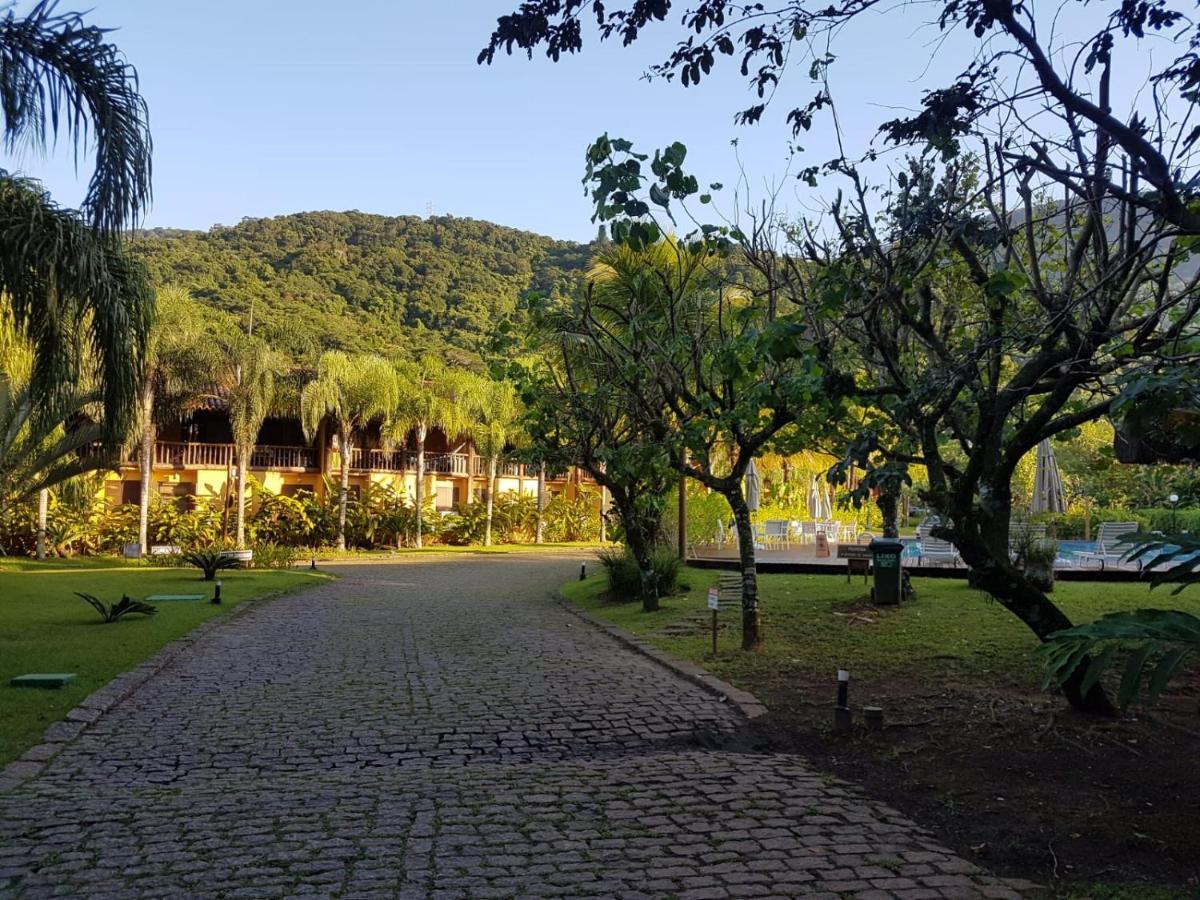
240	530
487	532
43	508
889	510
344	487
751	625
682	530
147	467
982	539
540	536
641	534
420	492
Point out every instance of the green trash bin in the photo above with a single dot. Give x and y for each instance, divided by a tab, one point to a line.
885	557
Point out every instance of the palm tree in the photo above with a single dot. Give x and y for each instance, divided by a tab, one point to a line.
178	368
350	391
250	393
37	450
430	395
496	410
63	271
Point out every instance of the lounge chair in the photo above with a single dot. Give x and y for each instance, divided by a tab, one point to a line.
1109	544
935	550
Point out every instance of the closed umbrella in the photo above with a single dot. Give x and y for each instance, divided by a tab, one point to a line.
815	502
1048	493
827	503
753	487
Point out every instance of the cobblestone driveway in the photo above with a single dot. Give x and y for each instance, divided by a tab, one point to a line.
441	728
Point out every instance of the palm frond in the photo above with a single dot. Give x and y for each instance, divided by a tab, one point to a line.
62	281
60	75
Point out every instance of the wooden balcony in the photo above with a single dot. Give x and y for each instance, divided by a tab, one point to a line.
406	461
188	455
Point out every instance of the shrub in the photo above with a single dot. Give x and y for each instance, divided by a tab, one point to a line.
275	556
110	613
625	579
572	520
210	561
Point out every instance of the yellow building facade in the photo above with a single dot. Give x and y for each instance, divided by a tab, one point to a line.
196	459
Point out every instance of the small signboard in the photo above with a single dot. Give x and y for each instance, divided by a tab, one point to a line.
714	598
853	551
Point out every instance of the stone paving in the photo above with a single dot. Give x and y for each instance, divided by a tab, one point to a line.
440	727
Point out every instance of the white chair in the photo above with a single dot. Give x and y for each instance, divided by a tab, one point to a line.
1109	544
721	536
760	536
776	532
808	532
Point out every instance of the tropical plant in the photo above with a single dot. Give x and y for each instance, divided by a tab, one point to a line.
37	449
1154	643
627	580
64	272
110	612
275	556
210	561
281	520
573	520
430	394
178	369
495	412
348	391
251	369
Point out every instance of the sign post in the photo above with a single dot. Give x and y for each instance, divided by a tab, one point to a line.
714	603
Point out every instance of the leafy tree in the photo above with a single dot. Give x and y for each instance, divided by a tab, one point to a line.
575	415
348	391
430	394
705	356
63	272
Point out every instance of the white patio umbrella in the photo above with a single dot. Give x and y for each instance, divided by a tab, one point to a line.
827	503
752	485
1048	493
816	500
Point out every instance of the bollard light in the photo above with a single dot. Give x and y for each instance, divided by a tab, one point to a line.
313	565
843	721
217	593
582	571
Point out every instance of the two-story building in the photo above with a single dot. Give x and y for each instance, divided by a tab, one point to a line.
195	458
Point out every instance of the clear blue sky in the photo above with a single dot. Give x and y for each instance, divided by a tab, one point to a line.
275	106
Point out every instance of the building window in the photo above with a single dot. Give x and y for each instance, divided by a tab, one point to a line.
448	496
125	492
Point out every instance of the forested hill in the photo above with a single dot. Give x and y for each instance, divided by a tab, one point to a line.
354	281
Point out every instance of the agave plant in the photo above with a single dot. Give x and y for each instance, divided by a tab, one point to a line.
1153	643
210	561
111	612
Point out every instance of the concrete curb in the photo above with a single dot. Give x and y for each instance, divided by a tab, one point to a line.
31	763
743	701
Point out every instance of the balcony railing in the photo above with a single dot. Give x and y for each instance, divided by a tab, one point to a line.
406	461
188	455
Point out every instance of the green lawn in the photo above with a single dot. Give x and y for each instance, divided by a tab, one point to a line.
814	624
44	627
351	555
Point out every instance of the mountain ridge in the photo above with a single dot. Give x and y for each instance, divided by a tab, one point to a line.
399	285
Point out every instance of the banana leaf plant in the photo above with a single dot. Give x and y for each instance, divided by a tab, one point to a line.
1153	644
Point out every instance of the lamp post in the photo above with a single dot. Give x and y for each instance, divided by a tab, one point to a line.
1174	501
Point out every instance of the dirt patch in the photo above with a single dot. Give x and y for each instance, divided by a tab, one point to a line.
1012	778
